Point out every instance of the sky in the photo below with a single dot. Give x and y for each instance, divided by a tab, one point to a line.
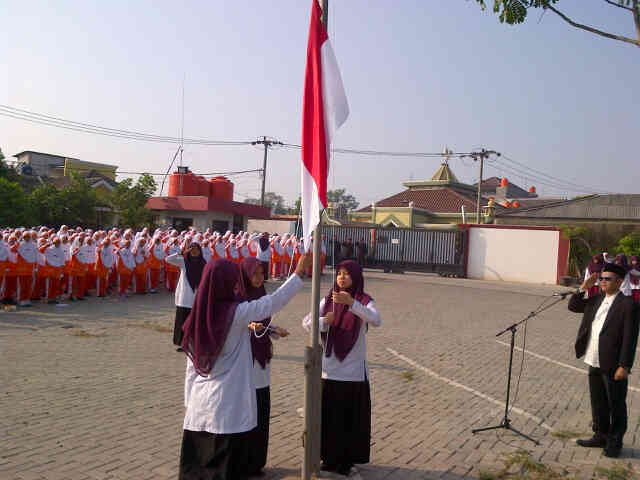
419	75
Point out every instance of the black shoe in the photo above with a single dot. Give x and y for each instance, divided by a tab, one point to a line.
326	467
344	469
179	349
612	451
597	441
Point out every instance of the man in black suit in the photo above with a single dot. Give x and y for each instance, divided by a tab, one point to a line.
607	339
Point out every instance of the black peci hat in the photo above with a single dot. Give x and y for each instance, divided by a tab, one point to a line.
620	271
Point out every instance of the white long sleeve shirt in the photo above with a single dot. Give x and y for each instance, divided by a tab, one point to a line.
185	295
591	357
225	400
354	366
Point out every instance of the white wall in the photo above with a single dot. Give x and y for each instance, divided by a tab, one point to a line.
513	255
272	226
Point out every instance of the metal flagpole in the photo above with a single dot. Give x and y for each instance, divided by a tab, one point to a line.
313	353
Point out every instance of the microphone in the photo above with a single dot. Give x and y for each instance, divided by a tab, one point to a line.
563	295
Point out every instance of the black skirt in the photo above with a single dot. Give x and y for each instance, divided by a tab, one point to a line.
181	315
259	436
214	456
346	422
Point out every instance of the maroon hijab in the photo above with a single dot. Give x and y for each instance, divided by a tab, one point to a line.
207	326
261	348
194	266
343	334
634	279
597	264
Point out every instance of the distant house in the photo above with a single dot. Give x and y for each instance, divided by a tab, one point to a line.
57	166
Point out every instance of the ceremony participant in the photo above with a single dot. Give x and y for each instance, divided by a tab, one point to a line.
88	257
607	339
55	264
140	272
596	266
126	265
232	252
276	257
105	262
155	260
11	276
263	252
346	312
220	395
219	250
4	267
634	278
191	266
27	255
262	350
171	271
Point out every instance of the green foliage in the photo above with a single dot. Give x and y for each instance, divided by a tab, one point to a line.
580	250
271	200
13	204
629	244
340	197
129	200
515	11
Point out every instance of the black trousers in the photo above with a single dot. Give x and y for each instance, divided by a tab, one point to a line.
608	405
265	270
214	456
181	315
259	436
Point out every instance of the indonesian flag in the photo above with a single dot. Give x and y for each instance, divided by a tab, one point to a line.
324	110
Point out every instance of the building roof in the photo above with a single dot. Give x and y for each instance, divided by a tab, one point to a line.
91	177
206	204
444	174
106	165
590	207
441	200
512	191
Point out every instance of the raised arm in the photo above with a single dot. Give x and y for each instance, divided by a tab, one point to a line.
306	321
368	313
176	259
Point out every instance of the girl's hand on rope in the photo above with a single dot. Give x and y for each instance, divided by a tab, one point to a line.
256	327
330	318
281	332
342	298
304	263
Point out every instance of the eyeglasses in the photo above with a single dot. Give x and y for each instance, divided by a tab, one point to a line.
606	279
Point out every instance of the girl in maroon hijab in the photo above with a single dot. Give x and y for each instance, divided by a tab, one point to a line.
220	392
346	312
634	277
262	350
596	266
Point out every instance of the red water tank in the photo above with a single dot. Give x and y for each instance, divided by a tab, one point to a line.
222	187
504	182
516	204
203	187
507	204
532	189
189	184
174	184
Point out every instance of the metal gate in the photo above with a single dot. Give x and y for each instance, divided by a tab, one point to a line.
399	249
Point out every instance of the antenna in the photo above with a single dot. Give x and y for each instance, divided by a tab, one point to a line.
184	77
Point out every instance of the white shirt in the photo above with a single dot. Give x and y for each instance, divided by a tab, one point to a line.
184	293
591	357
354	366
225	400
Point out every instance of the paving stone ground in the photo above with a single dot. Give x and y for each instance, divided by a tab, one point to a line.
94	390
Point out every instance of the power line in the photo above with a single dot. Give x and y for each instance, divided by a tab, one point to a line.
211	174
83	127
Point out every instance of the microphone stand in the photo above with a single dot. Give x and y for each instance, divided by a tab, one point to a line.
506	422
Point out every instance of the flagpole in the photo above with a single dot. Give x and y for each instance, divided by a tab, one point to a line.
313	353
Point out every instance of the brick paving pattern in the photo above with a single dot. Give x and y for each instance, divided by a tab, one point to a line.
94	390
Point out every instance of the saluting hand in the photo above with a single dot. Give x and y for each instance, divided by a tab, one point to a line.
342	298
590	282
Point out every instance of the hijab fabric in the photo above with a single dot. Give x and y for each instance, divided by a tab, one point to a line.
194	266
207	326
343	334
262	348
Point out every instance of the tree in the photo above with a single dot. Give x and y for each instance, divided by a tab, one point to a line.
629	244
13	205
129	201
580	251
515	11
271	200
340	197
74	204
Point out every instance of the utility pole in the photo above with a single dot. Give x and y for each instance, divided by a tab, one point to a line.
267	143
481	155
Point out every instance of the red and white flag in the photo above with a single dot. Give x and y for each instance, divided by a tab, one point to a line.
324	110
